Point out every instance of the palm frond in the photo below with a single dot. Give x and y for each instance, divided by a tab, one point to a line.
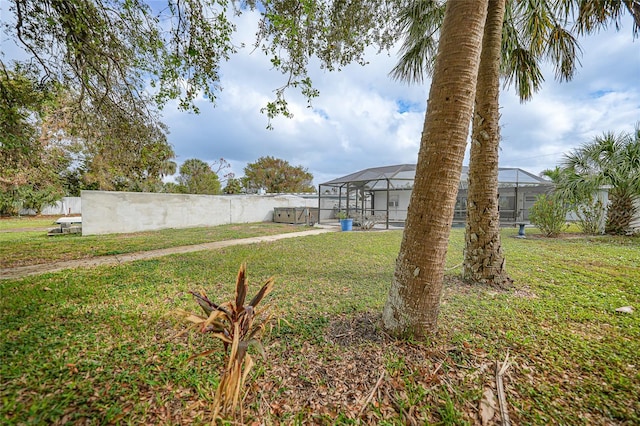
521	69
533	20
634	9
563	50
593	15
416	62
420	23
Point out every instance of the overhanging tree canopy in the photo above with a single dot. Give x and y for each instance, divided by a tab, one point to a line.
111	49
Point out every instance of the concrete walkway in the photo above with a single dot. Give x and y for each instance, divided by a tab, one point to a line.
24	271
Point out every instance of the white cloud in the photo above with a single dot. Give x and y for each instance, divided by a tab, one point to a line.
363	119
603	96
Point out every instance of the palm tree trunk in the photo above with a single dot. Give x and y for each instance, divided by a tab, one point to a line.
483	257
620	212
414	297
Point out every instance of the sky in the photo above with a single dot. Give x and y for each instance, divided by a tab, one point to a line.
364	119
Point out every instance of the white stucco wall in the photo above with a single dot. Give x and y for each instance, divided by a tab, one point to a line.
635	223
122	212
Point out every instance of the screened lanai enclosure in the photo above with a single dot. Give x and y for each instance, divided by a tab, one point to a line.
383	194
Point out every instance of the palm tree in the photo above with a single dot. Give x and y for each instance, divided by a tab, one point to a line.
592	15
517	37
611	160
414	297
483	256
552	174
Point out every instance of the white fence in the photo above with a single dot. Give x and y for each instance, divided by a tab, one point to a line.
122	212
66	206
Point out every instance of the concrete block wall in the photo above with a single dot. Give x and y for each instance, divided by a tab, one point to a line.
106	212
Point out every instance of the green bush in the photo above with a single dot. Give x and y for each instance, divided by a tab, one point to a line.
9	204
591	216
549	214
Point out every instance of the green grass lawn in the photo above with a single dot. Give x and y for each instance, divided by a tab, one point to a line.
95	346
27	222
35	247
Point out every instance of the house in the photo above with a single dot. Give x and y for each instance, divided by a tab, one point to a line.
385	192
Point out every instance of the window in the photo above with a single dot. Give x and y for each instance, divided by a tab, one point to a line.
507	202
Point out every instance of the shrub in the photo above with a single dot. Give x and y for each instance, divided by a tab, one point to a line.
591	216
238	326
549	214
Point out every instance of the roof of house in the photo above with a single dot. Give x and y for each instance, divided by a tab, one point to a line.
401	176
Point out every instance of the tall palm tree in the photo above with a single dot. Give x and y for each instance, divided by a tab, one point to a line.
414	297
611	160
518	36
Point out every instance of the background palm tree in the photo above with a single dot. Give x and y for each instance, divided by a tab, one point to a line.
552	174
613	161
518	37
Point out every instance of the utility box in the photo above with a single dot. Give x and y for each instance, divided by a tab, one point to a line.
295	215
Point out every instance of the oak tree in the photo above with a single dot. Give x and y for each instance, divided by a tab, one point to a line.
115	147
277	176
30	163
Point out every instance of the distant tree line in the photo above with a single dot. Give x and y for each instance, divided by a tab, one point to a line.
268	173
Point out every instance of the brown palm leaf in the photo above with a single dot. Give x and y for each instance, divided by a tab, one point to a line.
264	291
241	287
207	305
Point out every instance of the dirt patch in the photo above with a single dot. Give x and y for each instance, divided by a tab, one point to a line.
348	330
366	376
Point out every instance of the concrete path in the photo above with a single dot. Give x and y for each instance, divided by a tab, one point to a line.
28	229
24	271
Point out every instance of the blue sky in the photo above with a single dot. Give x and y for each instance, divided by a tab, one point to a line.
364	119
